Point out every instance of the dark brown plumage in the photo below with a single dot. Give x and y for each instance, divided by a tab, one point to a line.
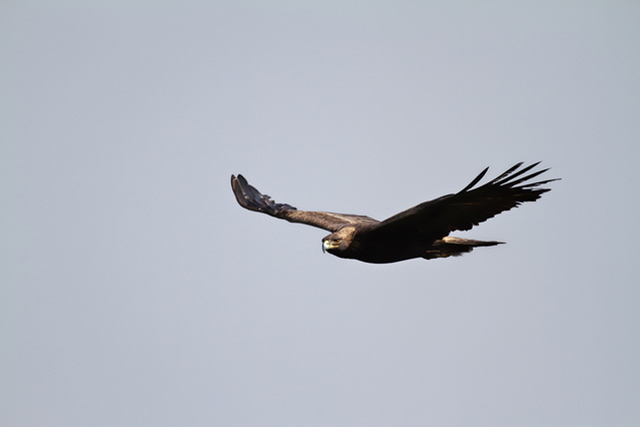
419	232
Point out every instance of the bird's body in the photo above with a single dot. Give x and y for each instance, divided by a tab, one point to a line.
419	232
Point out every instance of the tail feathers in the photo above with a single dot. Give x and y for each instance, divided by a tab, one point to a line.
455	246
450	240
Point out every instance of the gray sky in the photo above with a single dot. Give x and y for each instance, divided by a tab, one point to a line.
136	292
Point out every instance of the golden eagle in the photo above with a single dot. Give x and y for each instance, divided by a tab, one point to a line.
419	232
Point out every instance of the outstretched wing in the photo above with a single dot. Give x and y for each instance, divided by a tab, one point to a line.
250	198
471	206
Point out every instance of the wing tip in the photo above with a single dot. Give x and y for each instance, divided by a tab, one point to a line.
250	198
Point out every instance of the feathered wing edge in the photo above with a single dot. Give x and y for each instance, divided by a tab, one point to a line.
507	180
470	206
505	192
250	198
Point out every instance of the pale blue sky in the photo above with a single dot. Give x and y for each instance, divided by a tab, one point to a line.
135	291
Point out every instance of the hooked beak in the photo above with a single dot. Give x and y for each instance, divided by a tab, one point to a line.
329	244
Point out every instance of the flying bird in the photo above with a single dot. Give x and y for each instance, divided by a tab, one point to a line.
419	232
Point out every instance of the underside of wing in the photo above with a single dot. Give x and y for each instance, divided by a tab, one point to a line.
471	206
250	198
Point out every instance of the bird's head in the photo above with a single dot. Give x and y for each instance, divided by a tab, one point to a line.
338	243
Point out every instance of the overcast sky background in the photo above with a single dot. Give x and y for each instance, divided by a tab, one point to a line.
136	292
